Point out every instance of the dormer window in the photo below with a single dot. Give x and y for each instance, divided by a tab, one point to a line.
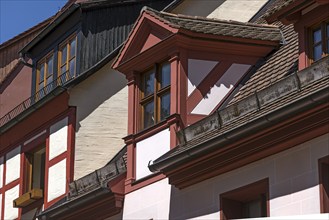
320	41
67	57
45	71
155	97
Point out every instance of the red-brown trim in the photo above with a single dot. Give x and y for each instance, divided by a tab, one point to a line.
261	187
324	195
146	181
57	159
266	142
209	81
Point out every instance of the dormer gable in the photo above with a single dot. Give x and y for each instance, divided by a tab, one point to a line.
311	21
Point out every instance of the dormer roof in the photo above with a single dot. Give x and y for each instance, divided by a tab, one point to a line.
166	25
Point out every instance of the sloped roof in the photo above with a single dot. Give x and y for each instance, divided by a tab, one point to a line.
219	27
268	79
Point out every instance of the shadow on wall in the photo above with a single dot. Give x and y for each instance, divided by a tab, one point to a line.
293	179
207	6
96	90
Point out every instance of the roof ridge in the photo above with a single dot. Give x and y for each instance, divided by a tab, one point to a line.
200	18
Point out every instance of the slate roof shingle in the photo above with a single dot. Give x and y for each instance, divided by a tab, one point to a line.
219	27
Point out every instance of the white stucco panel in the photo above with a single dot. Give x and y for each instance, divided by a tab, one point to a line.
149	150
10	195
57	180
222	87
1	171
197	71
13	164
150	202
58	138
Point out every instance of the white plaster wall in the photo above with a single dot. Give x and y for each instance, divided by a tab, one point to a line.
293	188
58	138
102	103
10	195
238	10
222	87
1	171
150	202
150	149
1	206
13	164
293	184
57	180
197	71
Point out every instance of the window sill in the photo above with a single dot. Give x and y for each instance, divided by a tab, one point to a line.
28	198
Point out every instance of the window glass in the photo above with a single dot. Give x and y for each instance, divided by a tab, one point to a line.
42	73
317	52
72	48
72	67
165	75
64	55
149	83
50	66
327	30
317	36
149	114
165	106
63	69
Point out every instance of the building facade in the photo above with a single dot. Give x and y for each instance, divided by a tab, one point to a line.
177	110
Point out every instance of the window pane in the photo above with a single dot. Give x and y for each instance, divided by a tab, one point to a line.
165	75
327	30
327	46
50	66
316	36
41	73
64	55
49	79
72	49
72	68
317	52
148	83
165	106
63	69
149	114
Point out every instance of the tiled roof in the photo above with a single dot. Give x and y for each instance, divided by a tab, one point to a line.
280	4
312	80
277	67
219	27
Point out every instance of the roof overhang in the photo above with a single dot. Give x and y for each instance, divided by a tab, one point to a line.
27	48
153	39
279	124
101	203
292	11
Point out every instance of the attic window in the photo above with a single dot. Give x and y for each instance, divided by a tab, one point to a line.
320	41
67	57
45	71
155	98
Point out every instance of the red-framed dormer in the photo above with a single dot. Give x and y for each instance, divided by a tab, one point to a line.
311	21
181	69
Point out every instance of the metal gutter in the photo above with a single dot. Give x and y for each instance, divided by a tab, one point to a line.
254	103
47	29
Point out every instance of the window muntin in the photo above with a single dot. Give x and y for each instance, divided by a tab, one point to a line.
45	71
155	98
320	41
67	57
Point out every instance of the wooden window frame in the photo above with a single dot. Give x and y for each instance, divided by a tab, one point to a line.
44	61
245	194
155	96
67	43
323	165
324	40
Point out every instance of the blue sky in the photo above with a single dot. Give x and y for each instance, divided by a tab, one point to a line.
17	16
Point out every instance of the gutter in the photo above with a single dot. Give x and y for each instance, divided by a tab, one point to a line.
293	84
231	136
53	213
47	29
